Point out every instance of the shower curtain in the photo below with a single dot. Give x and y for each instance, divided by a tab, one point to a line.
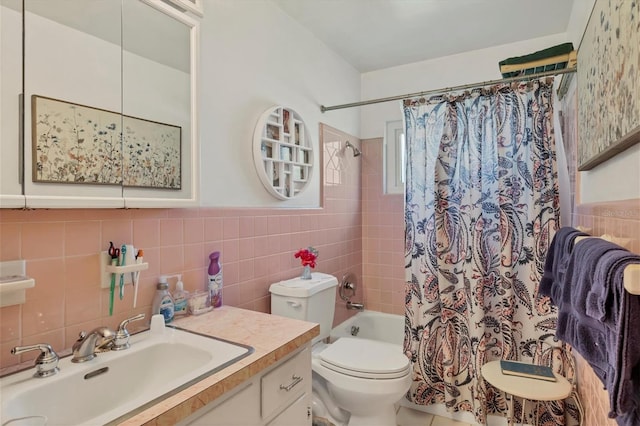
481	209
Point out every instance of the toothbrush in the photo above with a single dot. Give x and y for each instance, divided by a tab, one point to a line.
139	257
114	262
133	274
123	252
135	289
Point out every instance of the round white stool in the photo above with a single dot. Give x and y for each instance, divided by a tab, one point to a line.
524	387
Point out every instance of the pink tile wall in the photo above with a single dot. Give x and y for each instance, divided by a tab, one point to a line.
619	219
382	235
342	193
61	249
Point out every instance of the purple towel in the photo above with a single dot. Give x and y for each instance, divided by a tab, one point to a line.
556	262
588	256
601	320
590	338
624	394
601	302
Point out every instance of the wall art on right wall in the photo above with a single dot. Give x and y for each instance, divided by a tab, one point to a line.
609	82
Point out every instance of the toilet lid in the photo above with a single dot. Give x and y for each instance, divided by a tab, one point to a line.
365	358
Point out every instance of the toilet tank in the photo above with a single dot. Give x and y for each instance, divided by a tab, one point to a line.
308	300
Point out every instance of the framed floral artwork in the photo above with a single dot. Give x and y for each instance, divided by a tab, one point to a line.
609	82
75	143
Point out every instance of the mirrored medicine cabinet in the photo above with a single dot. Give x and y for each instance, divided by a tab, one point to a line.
98	104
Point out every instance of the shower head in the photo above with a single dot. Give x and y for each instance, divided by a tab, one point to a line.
356	151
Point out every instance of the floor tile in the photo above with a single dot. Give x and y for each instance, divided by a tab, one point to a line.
408	417
443	421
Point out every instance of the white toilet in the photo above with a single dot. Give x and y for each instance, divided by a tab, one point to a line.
356	381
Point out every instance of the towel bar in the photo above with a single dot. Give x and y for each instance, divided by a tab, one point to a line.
631	275
631	278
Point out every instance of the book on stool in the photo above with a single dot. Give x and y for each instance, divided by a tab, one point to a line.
523	369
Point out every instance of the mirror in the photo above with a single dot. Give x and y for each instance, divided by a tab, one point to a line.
158	94
10	89
72	61
109	104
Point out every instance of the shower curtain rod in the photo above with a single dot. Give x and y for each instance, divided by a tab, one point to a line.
449	89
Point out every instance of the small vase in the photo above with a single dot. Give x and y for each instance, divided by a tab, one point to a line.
306	273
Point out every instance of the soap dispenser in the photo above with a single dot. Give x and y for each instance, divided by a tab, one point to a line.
163	302
180	298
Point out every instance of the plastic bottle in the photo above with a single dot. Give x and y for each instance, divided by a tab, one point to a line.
163	302
180	298
215	279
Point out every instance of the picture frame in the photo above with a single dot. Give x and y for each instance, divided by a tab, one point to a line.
608	83
80	144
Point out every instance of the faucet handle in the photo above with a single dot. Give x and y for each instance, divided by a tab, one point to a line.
122	335
46	363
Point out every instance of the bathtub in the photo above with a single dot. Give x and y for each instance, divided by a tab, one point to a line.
371	325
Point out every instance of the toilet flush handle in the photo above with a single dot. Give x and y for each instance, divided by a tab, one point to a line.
293	304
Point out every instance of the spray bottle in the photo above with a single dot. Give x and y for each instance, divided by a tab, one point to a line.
215	279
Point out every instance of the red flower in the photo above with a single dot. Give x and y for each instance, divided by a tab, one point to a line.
307	256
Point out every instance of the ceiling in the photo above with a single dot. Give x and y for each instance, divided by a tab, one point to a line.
376	34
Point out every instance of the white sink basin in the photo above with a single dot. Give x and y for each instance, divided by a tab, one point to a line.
116	384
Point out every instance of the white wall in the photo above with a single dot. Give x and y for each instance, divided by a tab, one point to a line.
578	21
615	179
254	56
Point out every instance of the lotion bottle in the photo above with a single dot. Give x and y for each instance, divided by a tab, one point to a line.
180	298
163	302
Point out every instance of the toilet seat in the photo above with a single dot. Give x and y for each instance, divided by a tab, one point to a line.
364	358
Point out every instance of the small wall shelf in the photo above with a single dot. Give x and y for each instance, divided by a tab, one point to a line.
14	282
283	152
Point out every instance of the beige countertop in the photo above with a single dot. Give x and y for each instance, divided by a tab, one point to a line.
271	336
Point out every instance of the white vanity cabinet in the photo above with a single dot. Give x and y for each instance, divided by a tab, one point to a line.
278	396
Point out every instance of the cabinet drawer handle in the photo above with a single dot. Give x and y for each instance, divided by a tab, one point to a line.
296	380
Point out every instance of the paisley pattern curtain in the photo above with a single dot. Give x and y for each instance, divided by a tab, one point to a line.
481	210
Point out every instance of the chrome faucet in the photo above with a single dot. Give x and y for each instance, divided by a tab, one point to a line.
46	363
355	306
88	344
122	335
